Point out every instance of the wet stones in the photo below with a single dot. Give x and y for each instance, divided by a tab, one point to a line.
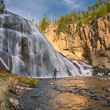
90	93
101	71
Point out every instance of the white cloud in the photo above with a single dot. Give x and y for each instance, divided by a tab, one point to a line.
74	4
70	2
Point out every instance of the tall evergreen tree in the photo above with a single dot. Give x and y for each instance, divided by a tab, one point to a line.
2	6
44	24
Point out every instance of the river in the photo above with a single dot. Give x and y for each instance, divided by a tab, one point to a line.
69	94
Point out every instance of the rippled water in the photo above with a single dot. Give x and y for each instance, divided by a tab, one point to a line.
70	94
83	94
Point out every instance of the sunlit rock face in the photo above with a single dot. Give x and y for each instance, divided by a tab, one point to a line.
25	51
90	42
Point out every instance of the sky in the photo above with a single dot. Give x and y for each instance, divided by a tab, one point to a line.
53	9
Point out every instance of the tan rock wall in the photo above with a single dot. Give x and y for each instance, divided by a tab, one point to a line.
95	37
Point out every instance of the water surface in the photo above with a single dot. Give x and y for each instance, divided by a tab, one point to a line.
70	94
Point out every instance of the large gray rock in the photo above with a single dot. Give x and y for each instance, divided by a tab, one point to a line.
24	50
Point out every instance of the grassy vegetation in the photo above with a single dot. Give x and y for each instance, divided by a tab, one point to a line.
6	76
27	81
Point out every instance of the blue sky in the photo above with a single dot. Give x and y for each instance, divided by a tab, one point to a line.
51	8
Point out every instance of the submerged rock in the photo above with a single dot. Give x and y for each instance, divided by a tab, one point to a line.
25	51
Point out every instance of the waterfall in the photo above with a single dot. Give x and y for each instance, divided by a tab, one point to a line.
25	51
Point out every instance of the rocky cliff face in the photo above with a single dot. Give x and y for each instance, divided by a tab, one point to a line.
91	41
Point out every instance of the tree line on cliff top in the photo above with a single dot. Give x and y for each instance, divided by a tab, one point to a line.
101	8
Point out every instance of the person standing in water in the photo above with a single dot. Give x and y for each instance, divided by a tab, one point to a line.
2	6
55	74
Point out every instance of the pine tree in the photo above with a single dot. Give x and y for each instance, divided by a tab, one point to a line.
2	6
43	24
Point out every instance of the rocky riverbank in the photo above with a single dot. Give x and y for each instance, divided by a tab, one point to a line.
12	88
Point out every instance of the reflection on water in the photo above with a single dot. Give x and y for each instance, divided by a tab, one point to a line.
81	94
67	101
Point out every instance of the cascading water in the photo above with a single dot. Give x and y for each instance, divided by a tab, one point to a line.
25	51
